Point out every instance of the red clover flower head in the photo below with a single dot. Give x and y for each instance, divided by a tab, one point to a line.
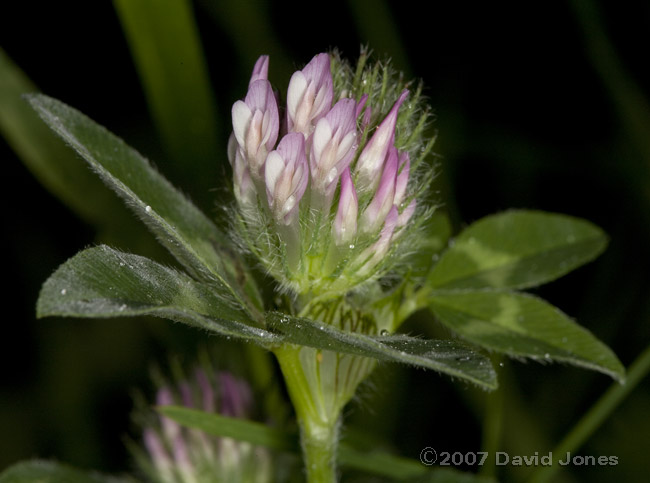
175	454
330	205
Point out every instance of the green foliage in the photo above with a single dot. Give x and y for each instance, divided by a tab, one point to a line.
101	282
375	462
466	289
445	356
516	249
521	325
240	429
180	226
38	471
166	49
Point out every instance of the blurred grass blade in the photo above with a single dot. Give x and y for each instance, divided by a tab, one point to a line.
449	475
180	226
240	429
46	156
374	462
631	104
39	471
380	463
521	325
102	282
448	357
166	48
516	249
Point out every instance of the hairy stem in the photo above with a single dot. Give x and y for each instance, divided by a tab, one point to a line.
318	429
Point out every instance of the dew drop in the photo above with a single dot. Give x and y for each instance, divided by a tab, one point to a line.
64	291
547	356
147	209
501	364
384	332
351	246
122	307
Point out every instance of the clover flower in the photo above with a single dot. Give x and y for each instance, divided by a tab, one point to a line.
175	454
327	207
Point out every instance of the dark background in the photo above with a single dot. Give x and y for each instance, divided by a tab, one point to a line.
541	107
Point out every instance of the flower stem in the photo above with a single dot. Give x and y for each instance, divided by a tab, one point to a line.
319	451
318	429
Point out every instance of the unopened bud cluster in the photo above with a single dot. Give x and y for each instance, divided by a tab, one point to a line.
175	454
326	186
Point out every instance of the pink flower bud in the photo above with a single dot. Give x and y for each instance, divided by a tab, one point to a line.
207	391
243	186
406	215
286	174
345	223
256	124
333	145
261	69
171	429
310	95
236	396
156	450
375	214
402	178
372	157
379	249
367	112
181	455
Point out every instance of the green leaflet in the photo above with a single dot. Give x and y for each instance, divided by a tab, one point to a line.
102	282
179	225
38	471
523	325
445	356
516	249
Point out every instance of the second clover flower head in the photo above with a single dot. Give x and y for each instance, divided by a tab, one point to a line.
325	196
178	454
